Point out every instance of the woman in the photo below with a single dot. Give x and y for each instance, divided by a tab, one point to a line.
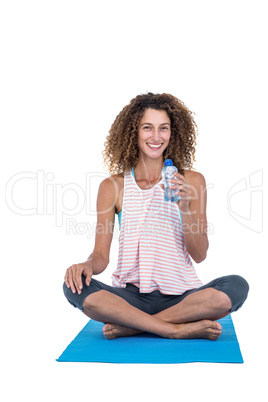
155	286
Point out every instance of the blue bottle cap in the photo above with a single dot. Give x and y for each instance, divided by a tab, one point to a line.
168	162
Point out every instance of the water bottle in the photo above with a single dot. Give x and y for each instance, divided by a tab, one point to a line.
167	174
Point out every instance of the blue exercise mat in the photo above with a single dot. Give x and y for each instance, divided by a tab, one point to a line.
91	346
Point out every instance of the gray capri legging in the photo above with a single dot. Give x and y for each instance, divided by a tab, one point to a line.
234	286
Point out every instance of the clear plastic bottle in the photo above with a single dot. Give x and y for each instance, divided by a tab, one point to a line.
167	174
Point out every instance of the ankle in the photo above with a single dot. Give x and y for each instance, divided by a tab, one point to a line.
170	330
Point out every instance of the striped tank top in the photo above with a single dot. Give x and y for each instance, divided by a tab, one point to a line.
152	252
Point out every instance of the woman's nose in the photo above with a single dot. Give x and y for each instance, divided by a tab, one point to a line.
156	134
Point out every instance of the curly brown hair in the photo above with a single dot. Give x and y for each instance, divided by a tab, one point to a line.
121	147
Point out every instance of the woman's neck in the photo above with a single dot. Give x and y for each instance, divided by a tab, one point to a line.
149	169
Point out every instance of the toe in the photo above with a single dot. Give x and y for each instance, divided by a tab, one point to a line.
109	331
108	334
106	327
218	326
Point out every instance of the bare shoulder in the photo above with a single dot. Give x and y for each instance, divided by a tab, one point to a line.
111	190
111	183
194	178
198	190
118	179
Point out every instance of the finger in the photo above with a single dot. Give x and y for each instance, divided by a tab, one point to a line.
87	272
77	278
179	187
184	198
184	193
180	176
88	279
183	187
177	181
176	186
70	279
66	279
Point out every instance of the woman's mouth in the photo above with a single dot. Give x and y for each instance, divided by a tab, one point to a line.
154	146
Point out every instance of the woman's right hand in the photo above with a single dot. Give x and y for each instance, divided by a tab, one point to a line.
73	276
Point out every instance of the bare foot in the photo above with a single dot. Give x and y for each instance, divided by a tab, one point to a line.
204	329
112	331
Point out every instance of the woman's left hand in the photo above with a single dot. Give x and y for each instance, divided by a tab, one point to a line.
183	189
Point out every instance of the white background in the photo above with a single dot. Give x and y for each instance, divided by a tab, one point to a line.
67	70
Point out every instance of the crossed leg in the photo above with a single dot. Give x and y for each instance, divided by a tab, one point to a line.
193	317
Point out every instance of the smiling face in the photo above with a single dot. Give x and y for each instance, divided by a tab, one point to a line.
154	133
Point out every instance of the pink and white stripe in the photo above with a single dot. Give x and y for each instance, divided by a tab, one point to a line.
152	252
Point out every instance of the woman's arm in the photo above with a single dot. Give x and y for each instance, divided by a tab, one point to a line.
106	201
99	258
192	204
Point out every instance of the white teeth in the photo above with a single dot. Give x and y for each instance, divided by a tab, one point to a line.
154	146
